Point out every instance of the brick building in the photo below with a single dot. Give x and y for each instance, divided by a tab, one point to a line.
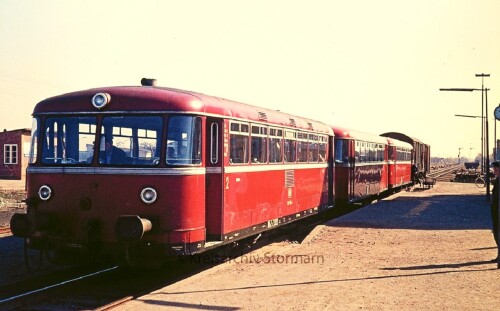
14	153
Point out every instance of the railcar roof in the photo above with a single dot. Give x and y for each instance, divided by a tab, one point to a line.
358	135
402	137
162	99
398	143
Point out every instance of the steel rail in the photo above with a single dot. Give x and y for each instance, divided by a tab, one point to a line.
9	299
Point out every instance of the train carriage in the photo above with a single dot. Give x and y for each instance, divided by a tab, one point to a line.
400	163
421	155
361	166
165	171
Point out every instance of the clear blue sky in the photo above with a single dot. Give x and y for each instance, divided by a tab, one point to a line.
367	65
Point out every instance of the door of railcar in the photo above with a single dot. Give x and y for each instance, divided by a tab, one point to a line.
353	158
214	178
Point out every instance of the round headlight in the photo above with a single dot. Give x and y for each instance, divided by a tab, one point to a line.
44	192
148	195
100	100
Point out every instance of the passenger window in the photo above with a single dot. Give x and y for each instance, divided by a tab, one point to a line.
238	143
302	144
259	144
313	148
275	145
290	146
322	152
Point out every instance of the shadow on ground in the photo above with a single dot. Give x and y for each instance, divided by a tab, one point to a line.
440	212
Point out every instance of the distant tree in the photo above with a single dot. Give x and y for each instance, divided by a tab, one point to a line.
148	148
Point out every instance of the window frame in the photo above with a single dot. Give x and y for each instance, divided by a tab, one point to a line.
275	135
239	132
214	143
261	135
10	155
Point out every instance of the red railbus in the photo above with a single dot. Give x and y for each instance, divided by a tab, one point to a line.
149	170
400	163
361	165
421	155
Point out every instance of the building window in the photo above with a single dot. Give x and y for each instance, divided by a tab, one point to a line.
10	154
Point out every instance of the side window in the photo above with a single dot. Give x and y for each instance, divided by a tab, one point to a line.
357	148
238	143
380	152
313	148
259	144
290	146
339	146
214	143
184	140
362	152
275	145
302	144
322	148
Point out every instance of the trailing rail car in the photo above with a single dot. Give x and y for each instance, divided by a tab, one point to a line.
399	156
370	164
361	160
421	153
153	172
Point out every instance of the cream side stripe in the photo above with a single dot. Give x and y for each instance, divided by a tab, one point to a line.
170	171
118	171
271	167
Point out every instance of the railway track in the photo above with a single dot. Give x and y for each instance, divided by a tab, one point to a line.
445	174
109	287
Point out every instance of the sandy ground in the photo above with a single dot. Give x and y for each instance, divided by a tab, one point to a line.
12	192
8	184
416	250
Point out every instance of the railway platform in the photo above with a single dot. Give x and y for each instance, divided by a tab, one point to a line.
419	249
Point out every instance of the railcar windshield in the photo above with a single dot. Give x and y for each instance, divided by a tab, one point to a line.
130	140
125	140
68	140
184	140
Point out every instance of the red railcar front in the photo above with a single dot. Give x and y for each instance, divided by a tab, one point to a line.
149	170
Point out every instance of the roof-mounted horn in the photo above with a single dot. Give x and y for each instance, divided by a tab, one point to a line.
148	82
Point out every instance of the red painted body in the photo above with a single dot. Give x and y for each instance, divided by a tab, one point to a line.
197	171
210	201
368	165
399	163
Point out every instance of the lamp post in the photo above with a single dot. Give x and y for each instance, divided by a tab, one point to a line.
482	125
496	113
497	117
484	94
484	131
482	145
